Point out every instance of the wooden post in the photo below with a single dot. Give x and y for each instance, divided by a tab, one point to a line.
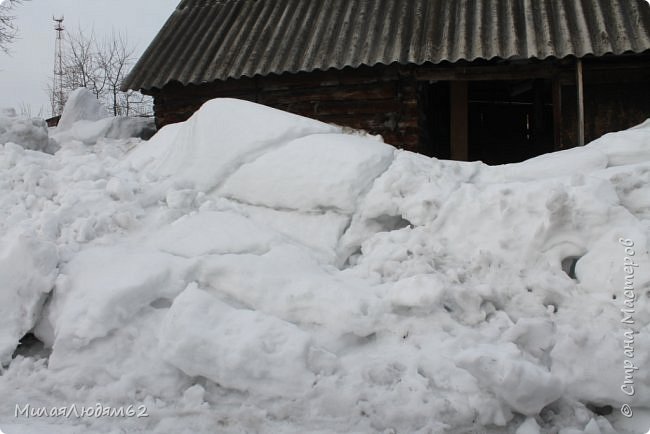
581	104
538	109
459	121
557	114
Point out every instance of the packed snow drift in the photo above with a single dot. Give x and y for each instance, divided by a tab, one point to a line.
253	271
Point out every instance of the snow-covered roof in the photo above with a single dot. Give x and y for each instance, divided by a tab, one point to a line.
208	40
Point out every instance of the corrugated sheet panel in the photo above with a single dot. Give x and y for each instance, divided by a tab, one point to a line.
207	40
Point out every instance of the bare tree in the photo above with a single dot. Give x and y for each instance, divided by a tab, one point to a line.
115	59
80	62
137	104
101	66
8	29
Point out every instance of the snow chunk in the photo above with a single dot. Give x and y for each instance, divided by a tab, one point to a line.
28	268
81	105
120	127
410	192
325	171
159	145
236	348
625	147
209	233
30	133
102	288
85	119
565	163
287	282
524	386
181	199
320	232
529	426
119	190
219	138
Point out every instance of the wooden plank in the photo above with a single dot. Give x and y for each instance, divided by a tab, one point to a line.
374	91
329	78
459	115
600	75
557	114
246	84
412	123
538	109
353	107
490	72
581	104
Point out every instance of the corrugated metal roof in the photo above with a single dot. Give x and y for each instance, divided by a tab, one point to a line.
208	40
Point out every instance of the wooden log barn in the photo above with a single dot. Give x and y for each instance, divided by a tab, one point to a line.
493	80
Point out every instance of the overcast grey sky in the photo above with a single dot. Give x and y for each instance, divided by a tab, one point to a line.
25	73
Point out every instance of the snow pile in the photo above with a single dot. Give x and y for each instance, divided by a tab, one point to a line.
206	149
82	105
253	351
347	165
85	119
28	269
30	133
250	270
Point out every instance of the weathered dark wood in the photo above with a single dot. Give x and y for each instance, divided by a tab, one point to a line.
459	136
392	101
378	91
488	72
581	104
557	114
376	99
53	121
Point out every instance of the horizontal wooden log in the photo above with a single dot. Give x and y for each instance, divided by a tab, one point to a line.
369	92
328	78
378	100
483	72
408	123
360	108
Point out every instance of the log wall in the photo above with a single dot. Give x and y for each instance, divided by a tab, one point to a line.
380	100
395	101
609	107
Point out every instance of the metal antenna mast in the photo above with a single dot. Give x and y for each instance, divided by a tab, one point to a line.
57	88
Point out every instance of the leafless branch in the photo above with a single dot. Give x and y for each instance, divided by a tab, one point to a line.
101	66
8	30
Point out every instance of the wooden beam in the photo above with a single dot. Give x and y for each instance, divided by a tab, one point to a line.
598	69
459	121
581	103
486	72
557	114
538	109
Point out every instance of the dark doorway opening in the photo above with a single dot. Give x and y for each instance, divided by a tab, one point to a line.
507	121
436	113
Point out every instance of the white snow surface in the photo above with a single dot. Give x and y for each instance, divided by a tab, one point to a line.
82	105
85	119
253	271
30	133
